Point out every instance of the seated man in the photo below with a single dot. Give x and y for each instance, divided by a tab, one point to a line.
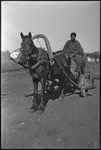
76	52
73	45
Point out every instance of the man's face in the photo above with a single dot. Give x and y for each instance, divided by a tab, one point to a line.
73	37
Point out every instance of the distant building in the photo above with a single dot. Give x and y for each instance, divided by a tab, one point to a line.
7	51
97	59
95	56
90	59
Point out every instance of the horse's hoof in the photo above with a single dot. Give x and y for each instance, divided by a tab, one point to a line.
40	110
61	99
33	108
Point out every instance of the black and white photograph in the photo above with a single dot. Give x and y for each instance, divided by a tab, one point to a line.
50	74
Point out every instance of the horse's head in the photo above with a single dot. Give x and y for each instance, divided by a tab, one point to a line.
26	47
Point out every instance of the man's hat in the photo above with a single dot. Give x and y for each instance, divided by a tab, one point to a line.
73	33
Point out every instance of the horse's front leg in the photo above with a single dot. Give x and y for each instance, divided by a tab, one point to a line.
35	101
41	107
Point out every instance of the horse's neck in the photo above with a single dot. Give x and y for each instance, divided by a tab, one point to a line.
39	52
34	50
33	53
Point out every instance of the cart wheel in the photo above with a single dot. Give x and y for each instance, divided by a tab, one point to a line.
49	87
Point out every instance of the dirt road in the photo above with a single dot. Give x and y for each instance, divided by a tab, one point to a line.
72	123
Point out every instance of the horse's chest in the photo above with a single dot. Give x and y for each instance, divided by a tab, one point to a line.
38	73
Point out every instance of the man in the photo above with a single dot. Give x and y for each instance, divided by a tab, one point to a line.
76	52
73	46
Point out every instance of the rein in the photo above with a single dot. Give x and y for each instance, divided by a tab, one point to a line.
59	54
40	61
15	50
46	61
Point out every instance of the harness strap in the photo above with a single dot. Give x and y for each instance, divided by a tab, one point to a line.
67	74
41	59
63	60
59	54
37	65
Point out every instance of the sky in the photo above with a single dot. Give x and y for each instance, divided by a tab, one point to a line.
55	19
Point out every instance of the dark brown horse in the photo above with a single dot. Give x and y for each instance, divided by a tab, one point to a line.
40	68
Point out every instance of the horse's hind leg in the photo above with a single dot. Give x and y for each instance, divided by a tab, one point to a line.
35	103
62	89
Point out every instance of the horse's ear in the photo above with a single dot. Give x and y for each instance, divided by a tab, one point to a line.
30	35
21	34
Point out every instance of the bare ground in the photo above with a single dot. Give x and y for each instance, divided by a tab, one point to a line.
72	123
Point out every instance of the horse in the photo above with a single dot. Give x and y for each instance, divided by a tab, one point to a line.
40	68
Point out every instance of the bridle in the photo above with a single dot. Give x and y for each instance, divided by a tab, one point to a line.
29	50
